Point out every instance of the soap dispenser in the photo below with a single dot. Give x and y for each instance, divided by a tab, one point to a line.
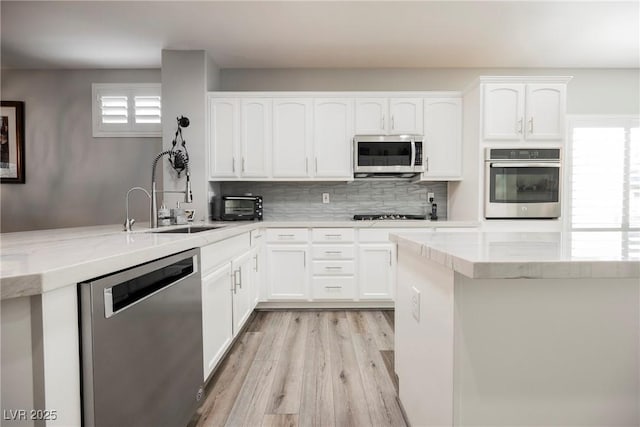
164	217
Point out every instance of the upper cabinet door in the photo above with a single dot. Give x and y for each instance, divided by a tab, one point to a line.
405	116
442	138
503	113
256	138
545	110
292	134
371	116
332	138
224	134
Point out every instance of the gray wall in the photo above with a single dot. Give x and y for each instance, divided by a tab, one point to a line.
73	179
186	77
592	91
302	200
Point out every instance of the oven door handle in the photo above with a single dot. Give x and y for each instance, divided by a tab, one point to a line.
525	165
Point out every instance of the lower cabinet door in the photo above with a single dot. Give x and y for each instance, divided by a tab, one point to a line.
376	270
287	273
216	316
242	276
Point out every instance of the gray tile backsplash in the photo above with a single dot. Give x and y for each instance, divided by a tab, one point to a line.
296	200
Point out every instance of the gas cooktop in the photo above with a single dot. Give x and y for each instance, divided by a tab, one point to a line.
394	216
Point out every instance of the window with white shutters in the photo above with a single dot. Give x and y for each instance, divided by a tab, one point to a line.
127	110
604	184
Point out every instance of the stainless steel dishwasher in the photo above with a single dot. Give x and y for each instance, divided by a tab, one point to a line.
141	333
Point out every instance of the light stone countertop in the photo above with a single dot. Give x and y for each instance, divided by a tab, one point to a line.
34	262
502	255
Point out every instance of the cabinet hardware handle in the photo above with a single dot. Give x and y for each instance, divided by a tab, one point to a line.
243	165
333	287
304	259
306	165
235	281
333	235
286	235
390	262
531	125
240	277
329	267
233	164
519	129
332	252
426	160
383	122
393	126
255	259
316	159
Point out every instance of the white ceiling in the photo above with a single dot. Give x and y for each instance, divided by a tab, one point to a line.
325	34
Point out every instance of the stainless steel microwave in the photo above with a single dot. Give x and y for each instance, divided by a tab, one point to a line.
522	183
392	155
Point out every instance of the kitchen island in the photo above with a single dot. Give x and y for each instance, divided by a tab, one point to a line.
507	329
39	273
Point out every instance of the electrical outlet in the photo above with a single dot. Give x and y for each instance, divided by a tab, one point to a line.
415	303
325	198
430	197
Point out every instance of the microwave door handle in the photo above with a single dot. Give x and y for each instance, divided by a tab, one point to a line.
525	165
413	153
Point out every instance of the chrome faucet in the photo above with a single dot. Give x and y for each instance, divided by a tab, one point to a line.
188	195
128	223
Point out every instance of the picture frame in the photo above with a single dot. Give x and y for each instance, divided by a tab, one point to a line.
12	158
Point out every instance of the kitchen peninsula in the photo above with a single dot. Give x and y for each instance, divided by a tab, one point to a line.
522	328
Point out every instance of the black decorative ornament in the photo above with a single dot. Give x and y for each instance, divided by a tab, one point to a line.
178	155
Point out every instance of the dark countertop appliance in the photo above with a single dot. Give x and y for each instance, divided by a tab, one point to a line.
246	207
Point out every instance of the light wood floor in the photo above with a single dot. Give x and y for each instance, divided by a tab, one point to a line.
308	368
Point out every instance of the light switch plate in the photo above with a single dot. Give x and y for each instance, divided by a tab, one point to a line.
415	303
325	198
430	197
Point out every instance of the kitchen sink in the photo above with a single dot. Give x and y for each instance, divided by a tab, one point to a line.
190	230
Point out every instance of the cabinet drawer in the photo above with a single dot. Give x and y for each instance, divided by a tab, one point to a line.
334	288
213	255
374	235
288	235
333	234
333	251
333	268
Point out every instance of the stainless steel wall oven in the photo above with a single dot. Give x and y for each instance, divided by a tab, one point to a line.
522	183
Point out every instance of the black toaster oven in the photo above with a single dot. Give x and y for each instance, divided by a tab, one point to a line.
235	208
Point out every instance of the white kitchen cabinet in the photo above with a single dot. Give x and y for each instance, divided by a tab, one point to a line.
382	116
376	270
287	271
256	123
405	116
545	105
259	265
442	146
224	137
216	316
371	116
332	138
524	112
242	273
292	137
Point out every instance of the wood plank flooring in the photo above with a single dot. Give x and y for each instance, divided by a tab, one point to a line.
307	368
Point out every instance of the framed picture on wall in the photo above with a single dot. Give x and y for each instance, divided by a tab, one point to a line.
12	142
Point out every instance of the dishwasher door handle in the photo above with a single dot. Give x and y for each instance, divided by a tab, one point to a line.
108	302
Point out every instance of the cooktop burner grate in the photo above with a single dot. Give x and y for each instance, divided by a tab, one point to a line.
391	216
